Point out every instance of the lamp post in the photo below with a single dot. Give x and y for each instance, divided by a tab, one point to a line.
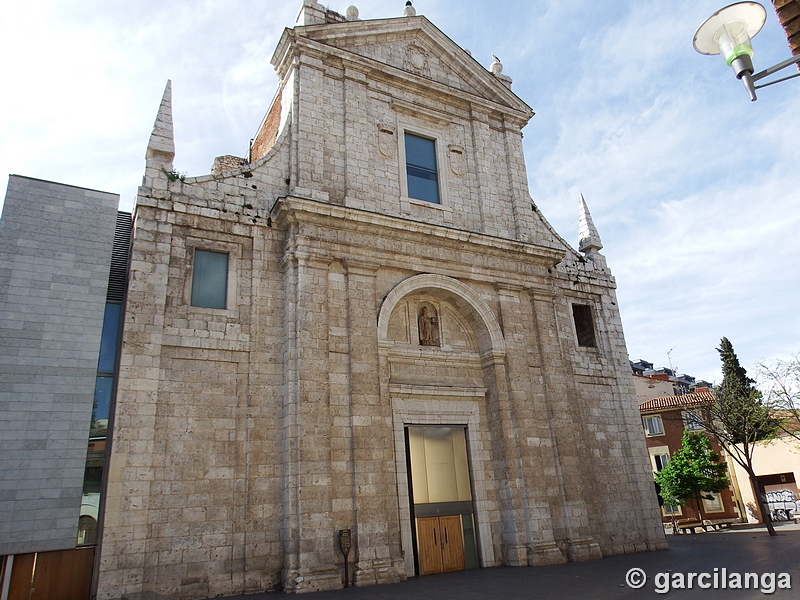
728	32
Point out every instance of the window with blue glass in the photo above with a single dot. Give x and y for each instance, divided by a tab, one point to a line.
210	279
100	424
108	339
422	175
101	407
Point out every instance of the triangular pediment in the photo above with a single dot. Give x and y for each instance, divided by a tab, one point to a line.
418	48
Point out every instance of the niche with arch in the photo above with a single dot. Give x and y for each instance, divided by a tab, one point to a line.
424	320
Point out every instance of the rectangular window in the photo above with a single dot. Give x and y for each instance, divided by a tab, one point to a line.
670	509
693	420
653	425
210	279
101	409
423	180
714	505
584	326
660	460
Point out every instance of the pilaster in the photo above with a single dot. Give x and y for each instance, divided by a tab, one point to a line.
356	132
487	204
529	419
520	196
308	530
312	122
377	537
567	431
514	533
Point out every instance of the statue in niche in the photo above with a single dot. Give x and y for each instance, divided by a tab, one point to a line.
428	328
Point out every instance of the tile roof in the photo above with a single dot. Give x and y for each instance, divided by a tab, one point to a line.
683	401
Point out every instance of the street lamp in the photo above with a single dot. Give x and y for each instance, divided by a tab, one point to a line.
728	32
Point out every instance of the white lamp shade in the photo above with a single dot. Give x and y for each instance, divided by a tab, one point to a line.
729	30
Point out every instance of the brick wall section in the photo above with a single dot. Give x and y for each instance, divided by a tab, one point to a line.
266	136
55	255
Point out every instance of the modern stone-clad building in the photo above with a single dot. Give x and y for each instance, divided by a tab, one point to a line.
63	263
365	330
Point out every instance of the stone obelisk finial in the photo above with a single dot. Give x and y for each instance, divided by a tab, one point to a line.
588	239
161	147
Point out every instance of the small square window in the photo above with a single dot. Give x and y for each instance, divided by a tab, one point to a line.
101	407
421	171
210	279
653	425
584	325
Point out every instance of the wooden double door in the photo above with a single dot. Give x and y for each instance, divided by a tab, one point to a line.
59	575
440	543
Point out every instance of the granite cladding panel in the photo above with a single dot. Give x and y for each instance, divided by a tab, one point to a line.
55	247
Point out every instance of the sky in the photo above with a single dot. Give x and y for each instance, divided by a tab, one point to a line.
694	190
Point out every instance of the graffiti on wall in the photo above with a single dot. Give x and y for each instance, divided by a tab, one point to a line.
782	505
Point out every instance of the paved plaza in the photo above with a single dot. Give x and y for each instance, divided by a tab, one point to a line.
742	550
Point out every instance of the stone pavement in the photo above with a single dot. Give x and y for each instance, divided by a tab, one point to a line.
745	550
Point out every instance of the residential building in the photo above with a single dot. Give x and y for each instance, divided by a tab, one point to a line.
645	377
649	387
665	420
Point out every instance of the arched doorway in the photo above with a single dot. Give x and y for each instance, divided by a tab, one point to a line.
441	344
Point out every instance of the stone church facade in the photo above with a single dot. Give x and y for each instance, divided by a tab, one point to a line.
366	325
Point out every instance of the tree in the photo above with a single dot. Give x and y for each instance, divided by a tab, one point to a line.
692	473
781	381
740	418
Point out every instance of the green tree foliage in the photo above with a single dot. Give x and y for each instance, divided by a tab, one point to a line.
693	472
740	409
740	418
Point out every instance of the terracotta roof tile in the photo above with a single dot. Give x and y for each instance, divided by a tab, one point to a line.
683	401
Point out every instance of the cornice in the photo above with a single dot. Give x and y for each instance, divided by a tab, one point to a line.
399	390
294	210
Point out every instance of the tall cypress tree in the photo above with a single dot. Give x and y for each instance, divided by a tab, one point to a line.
740	419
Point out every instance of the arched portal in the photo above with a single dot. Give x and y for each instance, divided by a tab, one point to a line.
440	341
